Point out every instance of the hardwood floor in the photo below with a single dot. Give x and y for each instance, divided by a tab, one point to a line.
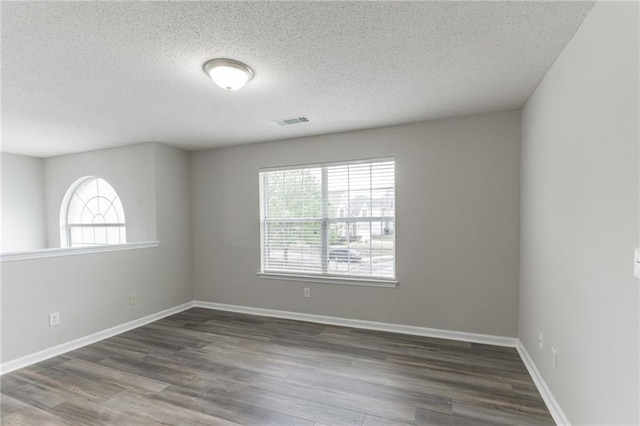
205	367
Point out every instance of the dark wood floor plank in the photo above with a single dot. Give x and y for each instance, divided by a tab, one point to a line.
247	363
375	342
159	411
434	418
38	394
458	378
498	414
345	400
75	385
422	341
461	359
372	390
217	404
163	373
301	408
83	412
328	346
31	416
210	336
9	404
102	374
297	353
444	365
206	367
381	421
248	354
433	387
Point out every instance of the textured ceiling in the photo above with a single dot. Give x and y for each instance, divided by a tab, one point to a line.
79	76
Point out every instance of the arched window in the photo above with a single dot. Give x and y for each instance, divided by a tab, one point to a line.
91	215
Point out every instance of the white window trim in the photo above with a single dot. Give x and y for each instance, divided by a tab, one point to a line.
65	225
74	251
330	279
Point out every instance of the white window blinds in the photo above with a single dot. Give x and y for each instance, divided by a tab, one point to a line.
335	219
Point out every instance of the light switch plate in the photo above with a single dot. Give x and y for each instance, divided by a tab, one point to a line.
636	263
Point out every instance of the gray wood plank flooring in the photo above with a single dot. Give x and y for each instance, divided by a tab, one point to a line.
206	367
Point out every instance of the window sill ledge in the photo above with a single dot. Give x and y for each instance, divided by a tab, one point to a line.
74	251
365	282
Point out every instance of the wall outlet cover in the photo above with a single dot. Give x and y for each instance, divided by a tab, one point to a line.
54	319
540	340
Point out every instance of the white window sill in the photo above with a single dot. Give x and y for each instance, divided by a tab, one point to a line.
74	251
366	282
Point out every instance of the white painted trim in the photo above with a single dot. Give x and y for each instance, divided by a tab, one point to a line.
33	358
366	282
369	325
74	251
552	404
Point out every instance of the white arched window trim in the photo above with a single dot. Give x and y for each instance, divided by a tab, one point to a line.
91	215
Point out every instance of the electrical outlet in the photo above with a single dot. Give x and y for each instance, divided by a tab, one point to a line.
540	340
554	358
307	292
54	319
133	299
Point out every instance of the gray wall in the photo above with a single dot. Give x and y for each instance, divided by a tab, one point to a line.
173	213
580	213
23	208
131	172
457	229
91	291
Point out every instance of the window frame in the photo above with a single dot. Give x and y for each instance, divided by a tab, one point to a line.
66	225
325	221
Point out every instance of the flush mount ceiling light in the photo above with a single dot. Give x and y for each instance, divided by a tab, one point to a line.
228	74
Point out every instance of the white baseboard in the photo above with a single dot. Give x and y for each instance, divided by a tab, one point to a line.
552	404
369	325
42	355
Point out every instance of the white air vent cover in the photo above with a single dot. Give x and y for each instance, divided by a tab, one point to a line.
290	121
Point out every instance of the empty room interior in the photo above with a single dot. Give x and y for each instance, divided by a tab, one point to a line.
320	213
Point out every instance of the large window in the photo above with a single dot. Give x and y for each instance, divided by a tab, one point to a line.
334	219
92	214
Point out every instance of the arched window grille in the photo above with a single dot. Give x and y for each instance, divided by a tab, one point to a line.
93	214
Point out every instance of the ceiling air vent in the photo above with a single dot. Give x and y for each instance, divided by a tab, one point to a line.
290	121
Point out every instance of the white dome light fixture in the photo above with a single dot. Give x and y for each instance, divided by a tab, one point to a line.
228	74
